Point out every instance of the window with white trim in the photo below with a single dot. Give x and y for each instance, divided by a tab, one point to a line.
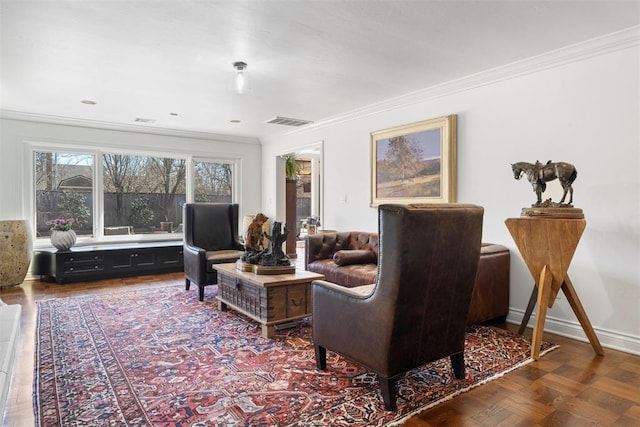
63	190
122	195
213	181
142	194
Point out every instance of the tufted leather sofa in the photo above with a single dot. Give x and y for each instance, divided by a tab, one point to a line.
342	258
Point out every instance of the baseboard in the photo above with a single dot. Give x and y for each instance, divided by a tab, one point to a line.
608	338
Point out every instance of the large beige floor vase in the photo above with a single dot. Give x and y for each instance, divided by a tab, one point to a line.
16	247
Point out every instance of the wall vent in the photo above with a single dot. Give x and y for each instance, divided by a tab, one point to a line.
288	121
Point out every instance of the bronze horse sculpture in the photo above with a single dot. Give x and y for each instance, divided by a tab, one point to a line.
538	175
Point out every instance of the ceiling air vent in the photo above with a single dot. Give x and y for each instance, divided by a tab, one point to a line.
288	122
141	120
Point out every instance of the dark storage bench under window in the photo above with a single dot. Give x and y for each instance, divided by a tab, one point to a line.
84	263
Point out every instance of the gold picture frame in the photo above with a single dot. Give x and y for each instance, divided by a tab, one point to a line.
414	163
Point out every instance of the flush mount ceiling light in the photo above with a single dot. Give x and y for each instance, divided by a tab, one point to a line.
241	85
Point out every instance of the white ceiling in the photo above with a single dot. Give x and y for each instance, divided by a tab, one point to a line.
306	59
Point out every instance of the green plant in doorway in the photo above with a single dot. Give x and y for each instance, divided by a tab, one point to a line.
291	167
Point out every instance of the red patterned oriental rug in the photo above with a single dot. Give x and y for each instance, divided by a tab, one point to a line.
159	357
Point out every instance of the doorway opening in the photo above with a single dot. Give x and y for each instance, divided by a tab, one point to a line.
308	188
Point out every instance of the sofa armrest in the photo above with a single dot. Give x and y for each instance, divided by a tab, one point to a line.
324	245
493	248
491	291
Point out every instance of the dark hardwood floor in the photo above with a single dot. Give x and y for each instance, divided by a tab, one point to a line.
570	386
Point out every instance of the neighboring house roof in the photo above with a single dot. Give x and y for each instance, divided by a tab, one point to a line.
76	183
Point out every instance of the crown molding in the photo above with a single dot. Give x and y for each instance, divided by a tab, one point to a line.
606	44
96	124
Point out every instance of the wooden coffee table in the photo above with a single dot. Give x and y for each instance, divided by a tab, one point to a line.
269	299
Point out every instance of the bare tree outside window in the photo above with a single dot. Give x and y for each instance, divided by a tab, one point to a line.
141	192
121	177
213	182
169	178
44	170
64	189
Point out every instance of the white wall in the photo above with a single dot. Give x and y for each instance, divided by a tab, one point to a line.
584	110
16	135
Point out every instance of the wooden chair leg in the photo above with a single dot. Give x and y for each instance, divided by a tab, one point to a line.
321	357
388	389
187	284
457	363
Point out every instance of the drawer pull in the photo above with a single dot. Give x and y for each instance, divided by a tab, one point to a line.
299	303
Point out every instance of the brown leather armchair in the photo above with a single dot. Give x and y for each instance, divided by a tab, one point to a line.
416	312
210	237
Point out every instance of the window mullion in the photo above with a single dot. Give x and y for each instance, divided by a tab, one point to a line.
98	196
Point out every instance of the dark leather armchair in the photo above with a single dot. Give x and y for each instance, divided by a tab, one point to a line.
210	237
416	312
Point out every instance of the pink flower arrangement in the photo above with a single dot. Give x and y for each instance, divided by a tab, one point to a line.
61	224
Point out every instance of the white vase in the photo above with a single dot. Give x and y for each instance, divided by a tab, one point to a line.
63	240
15	251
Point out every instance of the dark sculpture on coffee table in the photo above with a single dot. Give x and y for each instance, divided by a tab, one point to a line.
276	255
538	175
273	255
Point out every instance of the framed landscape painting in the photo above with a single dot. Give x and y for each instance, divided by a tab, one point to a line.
414	163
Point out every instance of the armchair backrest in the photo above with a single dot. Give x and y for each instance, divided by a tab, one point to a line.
211	226
428	259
